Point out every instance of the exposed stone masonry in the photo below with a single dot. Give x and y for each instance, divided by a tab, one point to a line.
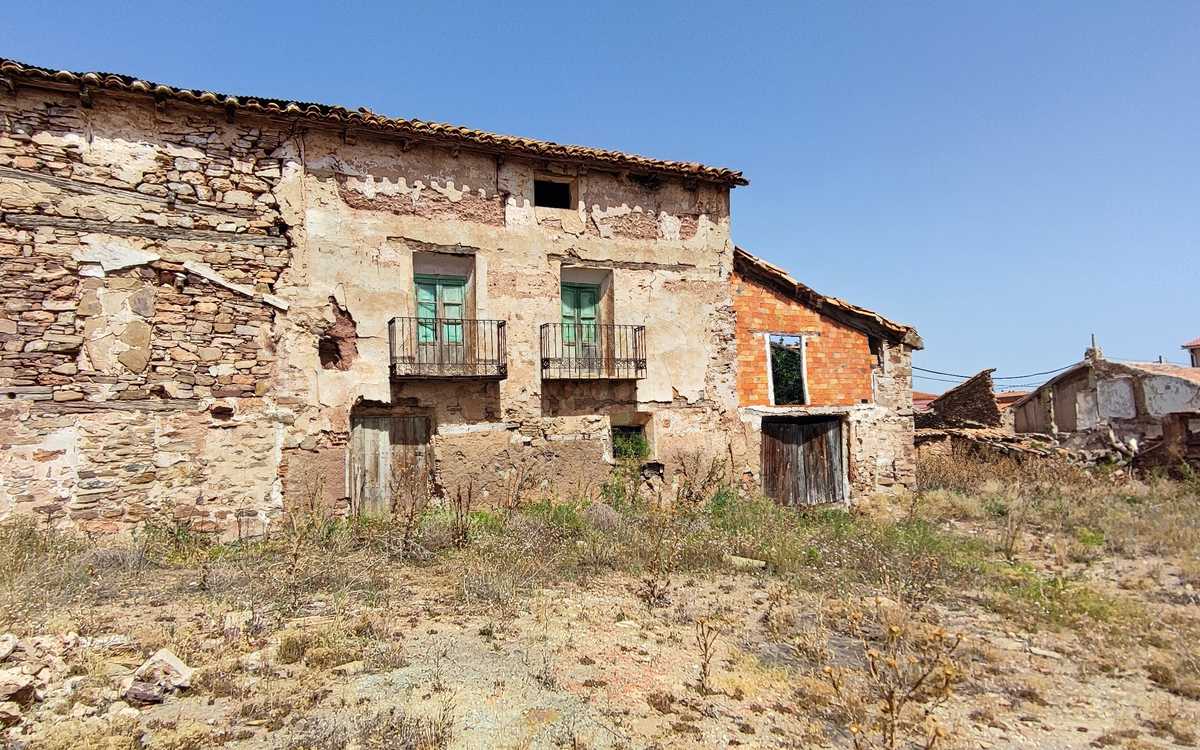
170	276
196	301
970	403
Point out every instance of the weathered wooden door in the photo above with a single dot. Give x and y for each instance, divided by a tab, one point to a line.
802	461
386	450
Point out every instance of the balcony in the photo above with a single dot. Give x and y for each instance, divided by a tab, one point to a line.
447	348
593	352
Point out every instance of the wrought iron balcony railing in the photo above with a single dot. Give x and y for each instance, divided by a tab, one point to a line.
587	351
447	348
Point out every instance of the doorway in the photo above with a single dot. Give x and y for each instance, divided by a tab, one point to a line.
802	460
390	461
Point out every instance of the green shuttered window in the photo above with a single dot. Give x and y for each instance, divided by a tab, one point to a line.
440	297
579	305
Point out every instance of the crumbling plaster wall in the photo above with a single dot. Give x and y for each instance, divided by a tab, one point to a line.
366	207
168	274
1130	399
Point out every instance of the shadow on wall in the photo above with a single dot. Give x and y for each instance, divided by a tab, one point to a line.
578	398
449	402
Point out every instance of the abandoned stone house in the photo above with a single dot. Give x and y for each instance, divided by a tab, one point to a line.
216	307
1133	400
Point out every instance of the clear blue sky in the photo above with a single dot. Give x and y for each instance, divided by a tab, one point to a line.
1009	177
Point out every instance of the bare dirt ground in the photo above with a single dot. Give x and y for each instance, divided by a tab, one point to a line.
573	628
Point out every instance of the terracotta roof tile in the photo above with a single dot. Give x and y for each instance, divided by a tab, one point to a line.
13	70
1193	344
825	304
1157	368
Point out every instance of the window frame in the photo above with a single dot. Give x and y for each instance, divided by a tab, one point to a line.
803	338
447	333
568	335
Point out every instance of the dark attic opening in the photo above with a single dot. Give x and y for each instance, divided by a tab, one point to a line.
551	194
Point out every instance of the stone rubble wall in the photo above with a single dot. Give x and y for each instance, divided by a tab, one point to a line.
972	402
168	273
138	246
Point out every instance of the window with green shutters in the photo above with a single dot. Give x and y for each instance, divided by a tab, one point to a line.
440	297
579	313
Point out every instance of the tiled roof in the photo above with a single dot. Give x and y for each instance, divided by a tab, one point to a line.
12	71
1193	344
859	317
1151	368
1006	399
1157	368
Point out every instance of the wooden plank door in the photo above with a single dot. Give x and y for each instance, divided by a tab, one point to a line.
802	461
383	450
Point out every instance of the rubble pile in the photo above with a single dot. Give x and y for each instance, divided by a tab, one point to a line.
1089	449
41	680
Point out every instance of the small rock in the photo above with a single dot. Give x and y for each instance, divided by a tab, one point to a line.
254	661
71	684
745	564
8	644
10	713
17	687
349	668
166	669
1045	652
122	710
144	692
111	642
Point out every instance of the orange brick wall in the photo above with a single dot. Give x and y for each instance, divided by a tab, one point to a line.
838	358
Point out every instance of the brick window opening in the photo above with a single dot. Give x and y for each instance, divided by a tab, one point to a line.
551	194
789	384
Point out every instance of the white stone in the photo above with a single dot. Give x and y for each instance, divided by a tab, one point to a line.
112	256
8	644
165	668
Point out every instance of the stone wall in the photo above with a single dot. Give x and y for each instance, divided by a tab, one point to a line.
169	271
970	403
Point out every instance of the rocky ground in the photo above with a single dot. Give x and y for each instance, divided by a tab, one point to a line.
733	654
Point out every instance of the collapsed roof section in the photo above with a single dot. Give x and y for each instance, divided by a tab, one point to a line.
971	402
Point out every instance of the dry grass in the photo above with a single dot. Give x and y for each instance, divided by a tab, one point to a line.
392	729
857	593
1099	509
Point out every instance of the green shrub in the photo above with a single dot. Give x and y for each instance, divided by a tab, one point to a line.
630	444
